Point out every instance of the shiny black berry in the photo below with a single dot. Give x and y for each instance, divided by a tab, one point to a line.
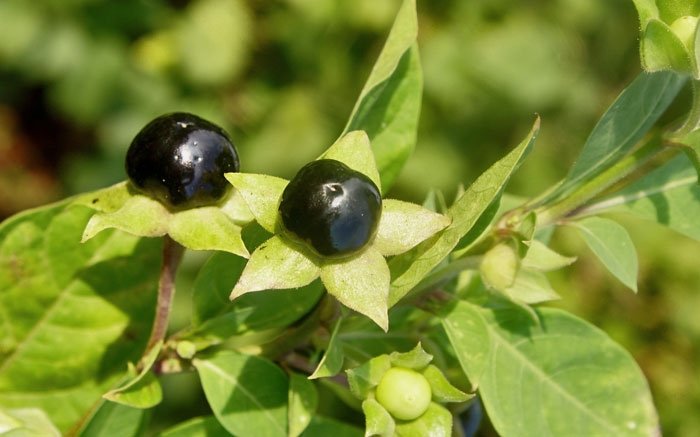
180	159
331	207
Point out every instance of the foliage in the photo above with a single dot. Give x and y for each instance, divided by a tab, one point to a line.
278	333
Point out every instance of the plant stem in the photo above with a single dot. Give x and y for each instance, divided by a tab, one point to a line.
172	254
549	214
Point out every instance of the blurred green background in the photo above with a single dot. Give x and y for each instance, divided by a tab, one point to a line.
79	78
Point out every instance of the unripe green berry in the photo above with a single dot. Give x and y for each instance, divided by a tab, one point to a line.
404	393
684	28
500	266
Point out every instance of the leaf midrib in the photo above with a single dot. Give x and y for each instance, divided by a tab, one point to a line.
521	357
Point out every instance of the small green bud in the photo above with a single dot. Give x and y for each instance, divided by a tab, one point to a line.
684	28
500	266
404	393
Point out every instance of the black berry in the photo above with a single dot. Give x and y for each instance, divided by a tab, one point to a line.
331	207
180	159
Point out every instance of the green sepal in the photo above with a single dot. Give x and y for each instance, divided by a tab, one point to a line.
378	421
441	388
262	195
541	258
404	225
275	265
363	379
530	287
437	420
662	49
206	228
415	359
361	283
354	150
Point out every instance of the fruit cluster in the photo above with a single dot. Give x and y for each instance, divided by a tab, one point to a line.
180	159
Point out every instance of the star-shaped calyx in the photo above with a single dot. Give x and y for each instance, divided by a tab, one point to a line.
349	254
215	227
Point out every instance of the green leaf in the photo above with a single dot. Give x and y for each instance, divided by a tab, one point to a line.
244	405
415	359
262	195
408	269
531	287
668	195
570	379
613	246
275	265
661	49
198	427
112	419
73	314
332	361
142	390
625	122
389	104
206	228
214	315
469	336
541	258
321	426
403	225
436	421
26	422
365	378
378	421
303	400
360	283
354	150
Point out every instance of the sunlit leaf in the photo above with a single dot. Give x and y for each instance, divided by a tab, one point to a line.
241	403
26	422
303	400
613	246
625	122
468	334
389	104
73	314
570	377
112	418
668	195
410	268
